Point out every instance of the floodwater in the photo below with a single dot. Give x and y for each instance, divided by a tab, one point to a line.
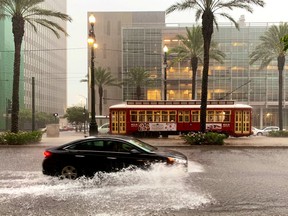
132	192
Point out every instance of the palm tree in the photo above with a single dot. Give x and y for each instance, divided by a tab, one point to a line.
138	77
271	48
191	48
104	78
207	9
285	41
21	12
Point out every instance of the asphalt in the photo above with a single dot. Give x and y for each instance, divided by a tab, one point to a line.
174	141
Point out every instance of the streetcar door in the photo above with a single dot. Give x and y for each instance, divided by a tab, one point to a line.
118	122
242	122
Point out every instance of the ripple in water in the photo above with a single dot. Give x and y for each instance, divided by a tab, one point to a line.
129	192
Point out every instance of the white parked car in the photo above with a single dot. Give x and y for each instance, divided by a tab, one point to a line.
254	130
266	130
104	128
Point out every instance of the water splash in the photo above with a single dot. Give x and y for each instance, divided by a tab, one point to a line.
129	192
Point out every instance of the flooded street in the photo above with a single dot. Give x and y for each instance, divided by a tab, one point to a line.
220	181
125	193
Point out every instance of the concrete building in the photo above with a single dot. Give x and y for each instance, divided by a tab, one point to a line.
44	58
109	53
128	42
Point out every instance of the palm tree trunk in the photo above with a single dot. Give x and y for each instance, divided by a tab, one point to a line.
207	31
281	63
138	92
18	32
194	66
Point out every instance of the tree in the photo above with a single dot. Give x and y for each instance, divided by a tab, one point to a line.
207	9
270	48
21	12
285	41
104	78
41	118
191	48
76	115
138	77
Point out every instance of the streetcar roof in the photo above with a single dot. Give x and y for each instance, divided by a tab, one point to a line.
173	106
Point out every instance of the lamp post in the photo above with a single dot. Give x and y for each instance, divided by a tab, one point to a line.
93	128
165	50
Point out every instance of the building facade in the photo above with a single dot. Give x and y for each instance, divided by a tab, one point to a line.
142	46
109	53
44	58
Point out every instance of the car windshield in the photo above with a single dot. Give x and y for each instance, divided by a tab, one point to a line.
143	145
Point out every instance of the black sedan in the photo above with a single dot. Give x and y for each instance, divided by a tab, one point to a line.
105	153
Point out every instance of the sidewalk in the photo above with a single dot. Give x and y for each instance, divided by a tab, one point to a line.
256	141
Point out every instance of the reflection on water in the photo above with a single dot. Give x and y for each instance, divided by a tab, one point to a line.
130	192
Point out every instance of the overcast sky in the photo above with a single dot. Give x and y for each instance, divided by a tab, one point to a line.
274	11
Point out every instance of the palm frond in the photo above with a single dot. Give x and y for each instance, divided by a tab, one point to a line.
184	5
48	13
212	6
32	13
270	47
105	78
53	26
231	19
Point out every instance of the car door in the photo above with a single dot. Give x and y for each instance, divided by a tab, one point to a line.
128	155
90	156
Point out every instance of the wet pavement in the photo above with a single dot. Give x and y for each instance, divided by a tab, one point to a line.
253	141
234	179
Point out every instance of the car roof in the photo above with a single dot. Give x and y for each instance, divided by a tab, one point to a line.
112	136
105	136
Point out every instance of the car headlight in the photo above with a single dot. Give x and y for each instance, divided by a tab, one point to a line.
171	160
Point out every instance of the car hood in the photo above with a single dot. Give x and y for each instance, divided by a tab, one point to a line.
170	153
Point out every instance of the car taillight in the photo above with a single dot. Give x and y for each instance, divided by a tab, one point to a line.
47	154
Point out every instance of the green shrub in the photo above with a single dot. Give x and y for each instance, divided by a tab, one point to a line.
278	133
194	138
20	138
209	138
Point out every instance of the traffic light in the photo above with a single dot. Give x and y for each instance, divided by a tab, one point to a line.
55	114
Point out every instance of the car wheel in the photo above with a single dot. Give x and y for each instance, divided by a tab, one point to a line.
69	172
259	134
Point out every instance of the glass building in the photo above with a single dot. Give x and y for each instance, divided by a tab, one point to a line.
142	46
233	80
44	58
110	52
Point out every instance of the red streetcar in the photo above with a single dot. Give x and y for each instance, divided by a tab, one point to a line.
154	118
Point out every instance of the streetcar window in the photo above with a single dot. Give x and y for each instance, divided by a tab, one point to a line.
180	116
133	116
218	116
183	116
157	116
149	116
172	116
210	116
227	116
195	116
141	116
164	116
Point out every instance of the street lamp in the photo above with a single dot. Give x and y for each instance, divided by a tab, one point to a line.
165	50
93	128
